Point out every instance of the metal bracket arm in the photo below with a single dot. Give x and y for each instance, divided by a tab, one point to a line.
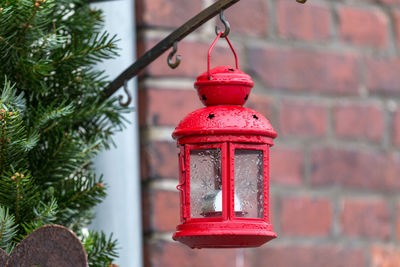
167	43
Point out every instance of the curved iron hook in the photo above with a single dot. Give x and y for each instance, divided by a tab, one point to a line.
301	1
226	24
129	100
171	64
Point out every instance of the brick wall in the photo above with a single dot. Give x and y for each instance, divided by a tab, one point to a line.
327	75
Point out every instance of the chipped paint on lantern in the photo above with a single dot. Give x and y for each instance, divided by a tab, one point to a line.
224	166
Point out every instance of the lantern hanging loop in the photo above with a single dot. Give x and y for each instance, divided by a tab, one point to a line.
211	48
226	25
178	58
129	97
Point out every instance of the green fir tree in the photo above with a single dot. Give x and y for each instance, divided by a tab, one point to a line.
53	119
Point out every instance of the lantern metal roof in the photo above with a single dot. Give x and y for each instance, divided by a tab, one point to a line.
224	119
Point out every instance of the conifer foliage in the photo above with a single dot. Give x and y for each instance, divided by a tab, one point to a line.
53	120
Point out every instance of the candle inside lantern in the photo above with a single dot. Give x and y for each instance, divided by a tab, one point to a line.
212	204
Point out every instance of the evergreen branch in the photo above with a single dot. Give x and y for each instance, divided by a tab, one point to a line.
46	213
13	137
2	145
89	53
100	250
52	120
27	24
19	192
10	98
52	116
8	229
18	196
79	193
11	128
31	141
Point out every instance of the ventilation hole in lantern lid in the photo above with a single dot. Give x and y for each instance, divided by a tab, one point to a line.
255	117
211	115
231	69
246	97
204	98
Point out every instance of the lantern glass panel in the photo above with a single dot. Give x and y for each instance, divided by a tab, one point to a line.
249	183
205	183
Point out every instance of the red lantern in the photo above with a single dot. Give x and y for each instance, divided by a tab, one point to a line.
224	165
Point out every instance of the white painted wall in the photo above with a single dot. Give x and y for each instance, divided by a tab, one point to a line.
120	212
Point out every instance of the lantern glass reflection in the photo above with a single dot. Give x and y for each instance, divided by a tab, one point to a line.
205	183
249	183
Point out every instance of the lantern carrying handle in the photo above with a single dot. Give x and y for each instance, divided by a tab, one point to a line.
211	48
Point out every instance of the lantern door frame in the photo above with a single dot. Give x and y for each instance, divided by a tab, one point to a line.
260	147
228	180
224	177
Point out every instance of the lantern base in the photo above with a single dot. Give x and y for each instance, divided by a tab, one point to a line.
215	237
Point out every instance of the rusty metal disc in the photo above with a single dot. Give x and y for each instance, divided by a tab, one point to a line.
49	246
3	257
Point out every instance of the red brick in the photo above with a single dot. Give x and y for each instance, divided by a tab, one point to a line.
146	212
160	160
363	27
359	121
386	2
165	254
396	128
143	104
365	218
383	77
286	166
262	104
165	210
302	119
309	22
244	20
391	2
398	221
167	107
309	256
373	170
144	163
194	58
396	21
304	216
306	71
165	13
385	256
272	215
